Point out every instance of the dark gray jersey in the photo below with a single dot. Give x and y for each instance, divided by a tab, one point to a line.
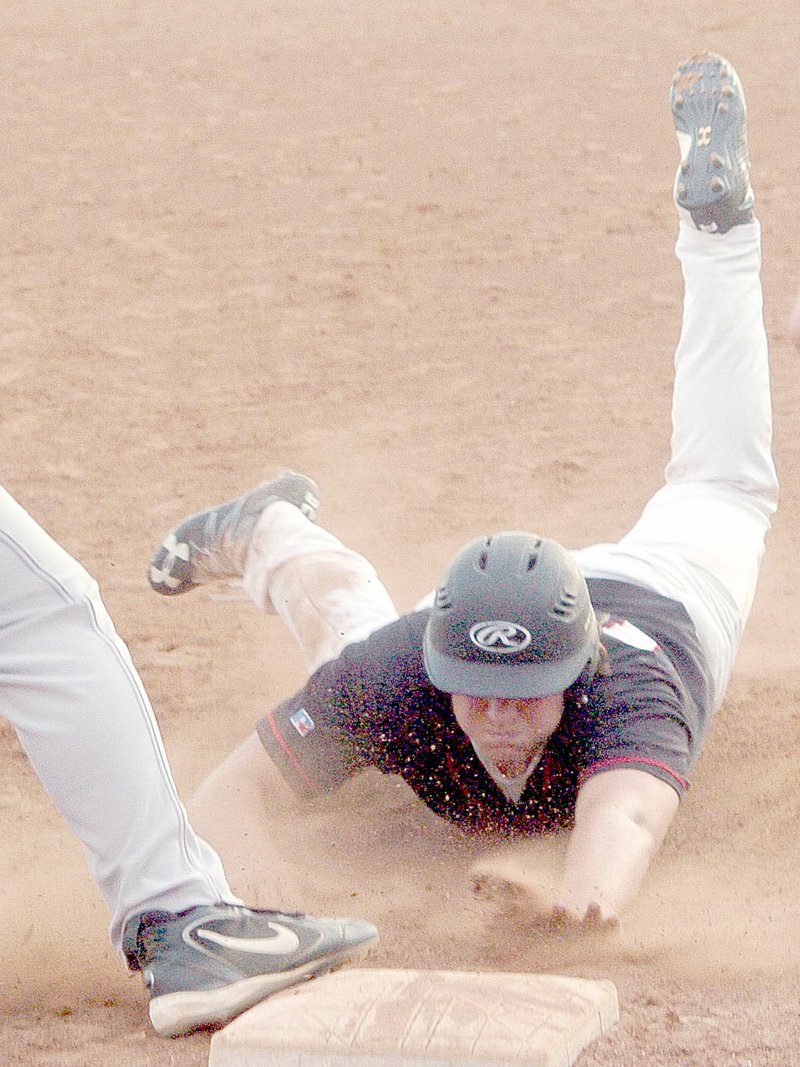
374	706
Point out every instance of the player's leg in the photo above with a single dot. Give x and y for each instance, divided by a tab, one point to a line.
327	595
701	537
68	686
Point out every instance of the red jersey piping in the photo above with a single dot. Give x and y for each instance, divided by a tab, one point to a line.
615	761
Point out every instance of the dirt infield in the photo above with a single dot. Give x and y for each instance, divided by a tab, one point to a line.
424	254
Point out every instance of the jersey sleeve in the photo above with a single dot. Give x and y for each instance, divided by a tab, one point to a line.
642	717
350	715
311	737
653	708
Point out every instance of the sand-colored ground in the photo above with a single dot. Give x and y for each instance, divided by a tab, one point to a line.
424	253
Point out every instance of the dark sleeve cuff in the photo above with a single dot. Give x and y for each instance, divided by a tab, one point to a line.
281	754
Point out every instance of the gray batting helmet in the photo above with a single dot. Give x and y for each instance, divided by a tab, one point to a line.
511	618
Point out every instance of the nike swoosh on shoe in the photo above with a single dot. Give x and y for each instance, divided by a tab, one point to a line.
285	941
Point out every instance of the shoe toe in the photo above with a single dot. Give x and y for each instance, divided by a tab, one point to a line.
170	569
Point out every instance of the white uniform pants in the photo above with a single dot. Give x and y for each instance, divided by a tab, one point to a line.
700	538
70	690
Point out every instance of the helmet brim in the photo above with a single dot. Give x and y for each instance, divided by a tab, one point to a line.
517	681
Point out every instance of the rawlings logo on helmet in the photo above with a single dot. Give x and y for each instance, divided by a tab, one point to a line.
499	637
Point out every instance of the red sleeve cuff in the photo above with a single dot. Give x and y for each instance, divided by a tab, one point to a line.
650	766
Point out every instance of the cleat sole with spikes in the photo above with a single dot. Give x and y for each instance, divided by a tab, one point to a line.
708	108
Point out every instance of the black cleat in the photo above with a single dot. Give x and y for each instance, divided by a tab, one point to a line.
206	965
213	544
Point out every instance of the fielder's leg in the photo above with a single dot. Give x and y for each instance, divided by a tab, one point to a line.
69	688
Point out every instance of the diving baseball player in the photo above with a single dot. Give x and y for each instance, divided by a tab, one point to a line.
539	688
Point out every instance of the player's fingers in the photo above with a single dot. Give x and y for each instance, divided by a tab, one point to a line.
568	923
564	921
595	919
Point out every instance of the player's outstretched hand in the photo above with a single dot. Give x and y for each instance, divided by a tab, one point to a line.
519	885
566	922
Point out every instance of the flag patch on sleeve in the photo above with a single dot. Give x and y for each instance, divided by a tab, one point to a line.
302	722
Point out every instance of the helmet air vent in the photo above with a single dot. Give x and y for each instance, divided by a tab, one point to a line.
565	606
444	599
533	558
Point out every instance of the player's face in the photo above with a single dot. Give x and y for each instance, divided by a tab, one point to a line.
510	732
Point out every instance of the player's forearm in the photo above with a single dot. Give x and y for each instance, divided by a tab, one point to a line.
236	809
607	858
620	822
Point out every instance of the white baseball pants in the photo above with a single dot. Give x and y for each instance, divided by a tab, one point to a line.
71	692
700	539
